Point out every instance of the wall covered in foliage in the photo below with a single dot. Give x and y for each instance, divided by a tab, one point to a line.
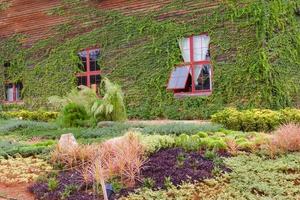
255	51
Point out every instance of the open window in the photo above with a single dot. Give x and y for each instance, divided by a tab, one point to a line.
194	77
90	74
13	92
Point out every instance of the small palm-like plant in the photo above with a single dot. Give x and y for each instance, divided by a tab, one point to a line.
112	106
84	97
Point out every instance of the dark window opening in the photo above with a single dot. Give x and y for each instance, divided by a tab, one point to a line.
83	66
95	79
203	81
81	80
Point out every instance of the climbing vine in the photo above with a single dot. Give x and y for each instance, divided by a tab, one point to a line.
255	47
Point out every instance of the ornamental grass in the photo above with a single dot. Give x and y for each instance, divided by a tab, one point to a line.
285	139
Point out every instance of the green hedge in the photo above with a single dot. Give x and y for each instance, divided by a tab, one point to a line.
30	115
255	119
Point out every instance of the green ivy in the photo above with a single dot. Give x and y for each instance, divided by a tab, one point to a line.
255	47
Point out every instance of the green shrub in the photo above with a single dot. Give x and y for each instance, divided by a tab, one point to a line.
255	119
202	134
30	115
111	107
52	184
154	143
189	143
148	183
74	115
218	144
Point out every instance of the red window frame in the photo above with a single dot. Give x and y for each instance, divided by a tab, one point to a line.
192	65
14	93
88	72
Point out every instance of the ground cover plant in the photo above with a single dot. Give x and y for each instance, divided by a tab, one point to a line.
22	170
139	161
174	166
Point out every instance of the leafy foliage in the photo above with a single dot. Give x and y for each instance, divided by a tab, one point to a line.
30	115
87	108
255	119
255	177
111	107
73	115
259	40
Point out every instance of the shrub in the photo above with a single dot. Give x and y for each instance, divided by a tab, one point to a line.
52	184
190	143
30	115
84	97
202	134
255	119
153	143
111	107
73	115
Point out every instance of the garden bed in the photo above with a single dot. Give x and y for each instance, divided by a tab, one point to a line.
67	185
164	168
178	166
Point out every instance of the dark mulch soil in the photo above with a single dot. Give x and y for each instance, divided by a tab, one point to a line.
67	178
164	163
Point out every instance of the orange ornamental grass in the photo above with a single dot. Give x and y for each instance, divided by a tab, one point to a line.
285	139
122	157
74	157
232	146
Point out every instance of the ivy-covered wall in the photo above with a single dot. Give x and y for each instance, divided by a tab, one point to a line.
255	51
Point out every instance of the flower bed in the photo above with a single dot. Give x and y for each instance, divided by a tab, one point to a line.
178	166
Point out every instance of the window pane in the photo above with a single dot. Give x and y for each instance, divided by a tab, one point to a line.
200	48
19	87
82	80
9	92
82	65
178	78
94	56
203	81
94	65
95	79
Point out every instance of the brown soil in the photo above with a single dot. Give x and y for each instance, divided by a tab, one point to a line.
15	192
